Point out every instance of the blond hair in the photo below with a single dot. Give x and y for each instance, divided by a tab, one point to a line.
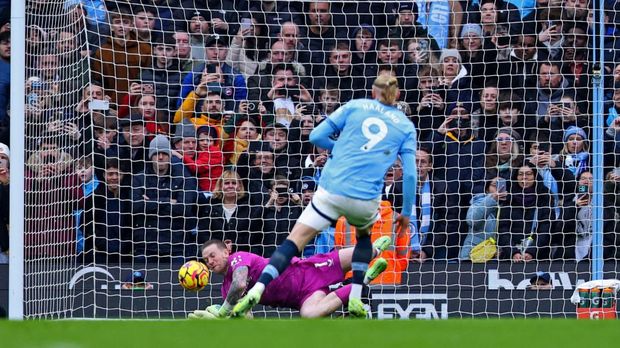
229	174
386	87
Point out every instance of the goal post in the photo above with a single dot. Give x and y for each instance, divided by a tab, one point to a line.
16	270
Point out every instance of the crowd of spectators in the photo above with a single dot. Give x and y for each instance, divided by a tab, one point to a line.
155	125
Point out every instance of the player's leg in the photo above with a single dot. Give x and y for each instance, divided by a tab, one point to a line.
378	246
320	304
316	217
362	254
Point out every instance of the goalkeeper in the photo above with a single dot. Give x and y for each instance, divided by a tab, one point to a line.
303	286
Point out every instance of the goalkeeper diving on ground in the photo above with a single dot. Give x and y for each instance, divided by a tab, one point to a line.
303	286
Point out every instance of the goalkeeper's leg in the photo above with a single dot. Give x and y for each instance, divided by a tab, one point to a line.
320	304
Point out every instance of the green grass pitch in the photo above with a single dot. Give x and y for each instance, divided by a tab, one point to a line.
502	333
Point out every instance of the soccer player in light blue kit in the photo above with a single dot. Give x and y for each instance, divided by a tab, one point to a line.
372	134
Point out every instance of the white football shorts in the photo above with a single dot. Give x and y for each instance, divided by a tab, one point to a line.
326	208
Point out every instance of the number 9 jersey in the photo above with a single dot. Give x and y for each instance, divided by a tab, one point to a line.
372	135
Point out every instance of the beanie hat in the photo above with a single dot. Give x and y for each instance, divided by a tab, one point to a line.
186	129
450	52
575	130
159	144
507	130
471	28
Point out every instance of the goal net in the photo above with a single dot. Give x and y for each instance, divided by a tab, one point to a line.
153	126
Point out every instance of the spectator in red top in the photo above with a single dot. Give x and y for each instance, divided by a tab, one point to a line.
200	152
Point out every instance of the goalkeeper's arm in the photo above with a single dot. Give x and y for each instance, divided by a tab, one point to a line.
237	289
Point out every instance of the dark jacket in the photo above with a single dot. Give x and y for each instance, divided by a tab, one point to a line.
167	83
460	163
161	225
566	230
107	224
516	222
4	217
270	227
212	223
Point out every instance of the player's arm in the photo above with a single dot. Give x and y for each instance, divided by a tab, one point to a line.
410	179
238	285
237	288
321	134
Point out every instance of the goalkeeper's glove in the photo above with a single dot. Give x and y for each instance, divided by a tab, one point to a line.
220	311
198	314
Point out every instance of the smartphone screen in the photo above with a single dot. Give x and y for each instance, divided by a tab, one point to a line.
97	104
503	40
246	23
501	185
543	147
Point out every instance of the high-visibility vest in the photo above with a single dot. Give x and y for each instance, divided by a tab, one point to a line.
397	255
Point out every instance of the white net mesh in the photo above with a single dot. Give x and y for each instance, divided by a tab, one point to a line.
141	116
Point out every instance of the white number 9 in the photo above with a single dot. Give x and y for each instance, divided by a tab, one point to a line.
373	138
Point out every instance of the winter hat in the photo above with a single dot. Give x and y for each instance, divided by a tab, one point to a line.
408	6
366	27
159	144
450	52
575	130
5	150
507	130
184	130
472	28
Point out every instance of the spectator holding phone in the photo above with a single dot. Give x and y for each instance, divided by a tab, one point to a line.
122	46
418	54
216	72
459	160
574	155
575	224
559	180
163	78
551	34
482	215
562	115
524	220
244	51
430	104
246	130
286	90
272	222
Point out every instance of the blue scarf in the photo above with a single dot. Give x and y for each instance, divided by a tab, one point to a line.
552	184
91	186
418	235
436	20
613	114
577	163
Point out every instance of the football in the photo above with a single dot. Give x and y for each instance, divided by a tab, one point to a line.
193	276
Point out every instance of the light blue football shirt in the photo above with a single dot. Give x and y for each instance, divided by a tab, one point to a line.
372	135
